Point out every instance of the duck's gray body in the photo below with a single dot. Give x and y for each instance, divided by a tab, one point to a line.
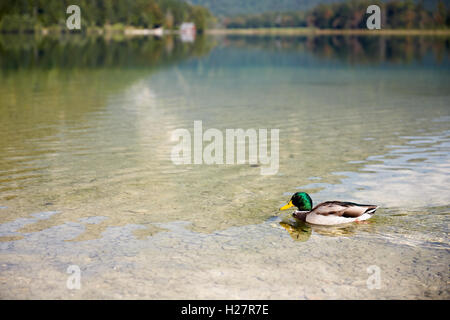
336	212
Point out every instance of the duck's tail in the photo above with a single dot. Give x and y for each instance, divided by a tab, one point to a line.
371	210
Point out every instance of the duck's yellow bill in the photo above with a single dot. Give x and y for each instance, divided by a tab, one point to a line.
289	205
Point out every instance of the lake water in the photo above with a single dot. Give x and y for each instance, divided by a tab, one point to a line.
86	176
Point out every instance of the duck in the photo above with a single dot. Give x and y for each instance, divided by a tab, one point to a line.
329	212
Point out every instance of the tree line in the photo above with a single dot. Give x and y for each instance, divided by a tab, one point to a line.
350	15
30	15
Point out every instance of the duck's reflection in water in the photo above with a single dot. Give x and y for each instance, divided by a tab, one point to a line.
301	231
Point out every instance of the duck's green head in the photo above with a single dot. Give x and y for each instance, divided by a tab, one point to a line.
301	200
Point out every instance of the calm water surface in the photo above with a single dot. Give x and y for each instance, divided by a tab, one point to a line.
86	177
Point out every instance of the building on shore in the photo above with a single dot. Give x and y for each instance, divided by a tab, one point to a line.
188	31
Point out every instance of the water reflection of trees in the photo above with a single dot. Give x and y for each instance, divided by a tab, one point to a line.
354	49
77	51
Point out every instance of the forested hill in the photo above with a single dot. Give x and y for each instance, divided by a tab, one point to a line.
349	15
31	15
239	7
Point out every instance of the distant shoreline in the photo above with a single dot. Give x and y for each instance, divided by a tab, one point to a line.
313	31
132	31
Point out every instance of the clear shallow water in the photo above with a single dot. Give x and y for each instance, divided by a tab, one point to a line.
86	176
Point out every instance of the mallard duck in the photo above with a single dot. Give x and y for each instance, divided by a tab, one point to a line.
329	212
